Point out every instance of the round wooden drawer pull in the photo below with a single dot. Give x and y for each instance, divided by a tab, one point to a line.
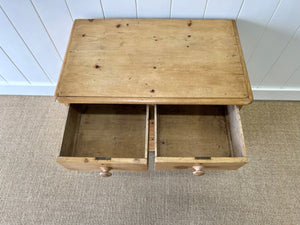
198	171
104	172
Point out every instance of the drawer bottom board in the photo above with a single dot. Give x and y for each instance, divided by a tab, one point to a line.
198	131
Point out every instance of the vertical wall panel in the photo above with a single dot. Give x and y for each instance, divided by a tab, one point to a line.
9	71
279	31
188	8
57	20
221	9
18	52
285	65
28	24
119	8
294	81
252	22
86	9
154	8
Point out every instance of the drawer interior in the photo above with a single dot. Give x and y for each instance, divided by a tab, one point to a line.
199	131
106	131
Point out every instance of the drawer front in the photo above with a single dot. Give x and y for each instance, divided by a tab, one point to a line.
188	137
185	163
95	164
106	137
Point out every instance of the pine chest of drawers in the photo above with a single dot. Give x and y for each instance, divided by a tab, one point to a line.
138	85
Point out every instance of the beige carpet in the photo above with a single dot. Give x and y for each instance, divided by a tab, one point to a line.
34	189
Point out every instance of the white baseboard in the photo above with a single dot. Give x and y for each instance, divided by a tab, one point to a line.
276	94
48	90
45	90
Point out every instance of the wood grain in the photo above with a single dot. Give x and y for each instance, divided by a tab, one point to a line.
154	62
192	131
105	133
92	164
151	136
187	163
210	136
151	129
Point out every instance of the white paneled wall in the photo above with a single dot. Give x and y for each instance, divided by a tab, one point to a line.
28	24
252	22
154	8
119	9
81	9
196	11
9	70
59	36
228	9
34	36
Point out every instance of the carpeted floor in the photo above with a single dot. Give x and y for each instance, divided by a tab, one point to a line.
34	189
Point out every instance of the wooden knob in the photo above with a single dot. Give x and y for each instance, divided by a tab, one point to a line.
104	172
198	171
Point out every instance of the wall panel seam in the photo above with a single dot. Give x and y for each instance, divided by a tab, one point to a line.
267	74
15	66
69	10
290	77
136	9
48	77
3	79
37	13
263	33
171	4
242	5
102	9
206	3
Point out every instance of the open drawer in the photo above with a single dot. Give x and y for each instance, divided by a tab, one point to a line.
105	137
199	138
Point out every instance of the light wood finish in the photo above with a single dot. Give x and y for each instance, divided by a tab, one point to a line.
197	64
151	129
198	171
104	172
151	136
154	62
93	164
112	136
153	100
186	163
208	136
199	131
236	131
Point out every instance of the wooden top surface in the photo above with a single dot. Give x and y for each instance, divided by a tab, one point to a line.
154	61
